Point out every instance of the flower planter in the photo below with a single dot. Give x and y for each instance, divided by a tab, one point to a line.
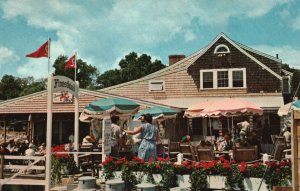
118	174
216	182
183	181
254	183
157	178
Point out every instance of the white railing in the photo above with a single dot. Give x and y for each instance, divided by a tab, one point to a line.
24	164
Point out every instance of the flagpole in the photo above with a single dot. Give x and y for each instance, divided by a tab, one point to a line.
49	134
49	124
49	41
75	66
76	114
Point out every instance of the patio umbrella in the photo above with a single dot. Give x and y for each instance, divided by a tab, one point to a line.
158	112
226	107
284	110
106	106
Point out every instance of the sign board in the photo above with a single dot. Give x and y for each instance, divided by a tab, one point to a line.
64	84
106	148
63	97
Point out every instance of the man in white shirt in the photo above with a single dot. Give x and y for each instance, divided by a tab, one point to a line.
287	136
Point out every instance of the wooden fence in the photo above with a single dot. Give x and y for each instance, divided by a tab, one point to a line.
12	167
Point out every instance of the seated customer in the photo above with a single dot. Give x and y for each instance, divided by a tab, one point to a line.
226	144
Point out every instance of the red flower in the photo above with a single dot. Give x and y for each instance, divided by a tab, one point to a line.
226	164
157	166
242	167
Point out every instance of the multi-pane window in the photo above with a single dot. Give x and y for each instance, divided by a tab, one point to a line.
208	80
222	79
237	78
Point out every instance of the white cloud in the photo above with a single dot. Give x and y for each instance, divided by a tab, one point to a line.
289	55
102	31
38	67
7	56
189	36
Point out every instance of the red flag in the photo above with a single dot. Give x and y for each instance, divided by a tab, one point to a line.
71	63
41	52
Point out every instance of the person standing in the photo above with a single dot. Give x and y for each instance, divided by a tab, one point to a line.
287	137
116	134
149	133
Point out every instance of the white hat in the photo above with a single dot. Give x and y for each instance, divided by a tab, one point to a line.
31	145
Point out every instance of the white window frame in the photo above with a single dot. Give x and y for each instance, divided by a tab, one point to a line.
221	52
230	79
151	88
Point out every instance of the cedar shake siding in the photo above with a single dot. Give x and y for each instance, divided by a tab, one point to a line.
182	79
258	79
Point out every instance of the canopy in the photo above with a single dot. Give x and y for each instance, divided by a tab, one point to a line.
224	107
106	106
157	112
284	110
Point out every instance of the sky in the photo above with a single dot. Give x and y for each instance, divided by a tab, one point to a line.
103	32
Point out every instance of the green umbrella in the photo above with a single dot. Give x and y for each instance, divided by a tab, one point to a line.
158	112
111	105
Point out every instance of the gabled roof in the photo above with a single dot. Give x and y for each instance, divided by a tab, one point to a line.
258	52
241	50
287	73
189	60
178	66
37	102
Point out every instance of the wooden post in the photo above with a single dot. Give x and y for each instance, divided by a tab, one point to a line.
295	130
1	166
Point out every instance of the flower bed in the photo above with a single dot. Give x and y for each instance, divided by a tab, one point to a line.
235	175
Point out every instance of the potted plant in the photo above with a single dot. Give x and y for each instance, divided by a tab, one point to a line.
62	164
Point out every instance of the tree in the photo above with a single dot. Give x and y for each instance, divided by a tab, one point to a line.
86	74
10	87
33	86
132	67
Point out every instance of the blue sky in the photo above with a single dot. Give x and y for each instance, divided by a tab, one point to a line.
103	32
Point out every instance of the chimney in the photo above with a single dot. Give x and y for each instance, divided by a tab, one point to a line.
277	56
175	58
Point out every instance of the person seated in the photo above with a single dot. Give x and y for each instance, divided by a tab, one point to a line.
186	139
42	149
31	150
3	149
226	144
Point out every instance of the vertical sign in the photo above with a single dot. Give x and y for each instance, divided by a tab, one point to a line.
106	146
